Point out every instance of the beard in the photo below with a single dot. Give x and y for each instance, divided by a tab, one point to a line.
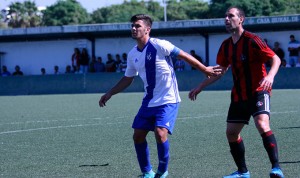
231	28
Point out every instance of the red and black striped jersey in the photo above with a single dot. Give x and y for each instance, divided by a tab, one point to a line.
246	58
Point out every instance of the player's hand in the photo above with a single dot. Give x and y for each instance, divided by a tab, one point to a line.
104	99
214	71
194	92
266	83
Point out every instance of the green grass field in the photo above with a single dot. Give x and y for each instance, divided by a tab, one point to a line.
71	136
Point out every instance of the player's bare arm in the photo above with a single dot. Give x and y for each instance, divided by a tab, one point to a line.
195	91
267	82
209	71
120	86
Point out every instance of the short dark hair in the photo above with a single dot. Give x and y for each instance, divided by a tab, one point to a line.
241	12
292	36
145	18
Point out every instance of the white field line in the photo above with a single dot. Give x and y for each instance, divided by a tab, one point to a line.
57	127
57	120
86	125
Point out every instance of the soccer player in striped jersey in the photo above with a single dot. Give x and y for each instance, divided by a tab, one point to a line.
151	59
246	54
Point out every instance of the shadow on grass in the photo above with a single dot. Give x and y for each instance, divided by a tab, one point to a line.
289	127
93	165
289	162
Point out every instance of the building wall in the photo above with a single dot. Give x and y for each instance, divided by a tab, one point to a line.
287	78
32	56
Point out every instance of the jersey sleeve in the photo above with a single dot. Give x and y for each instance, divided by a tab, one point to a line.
167	48
130	69
261	49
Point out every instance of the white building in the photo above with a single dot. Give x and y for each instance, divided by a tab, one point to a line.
45	47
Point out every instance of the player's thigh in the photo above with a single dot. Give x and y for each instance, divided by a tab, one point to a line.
239	112
166	116
145	119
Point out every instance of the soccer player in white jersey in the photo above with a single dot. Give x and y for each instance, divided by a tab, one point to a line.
151	59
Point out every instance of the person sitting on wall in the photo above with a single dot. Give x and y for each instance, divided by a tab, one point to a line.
17	71
43	71
92	64
110	64
56	70
68	70
5	72
99	66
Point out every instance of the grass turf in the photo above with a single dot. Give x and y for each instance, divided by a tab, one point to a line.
70	136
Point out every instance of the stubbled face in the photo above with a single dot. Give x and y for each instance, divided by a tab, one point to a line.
139	29
232	20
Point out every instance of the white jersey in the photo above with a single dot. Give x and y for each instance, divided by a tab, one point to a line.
154	65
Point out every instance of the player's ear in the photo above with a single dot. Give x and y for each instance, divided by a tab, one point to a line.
241	20
148	29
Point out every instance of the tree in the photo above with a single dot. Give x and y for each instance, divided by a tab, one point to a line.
3	19
65	12
252	8
123	12
292	6
187	9
24	14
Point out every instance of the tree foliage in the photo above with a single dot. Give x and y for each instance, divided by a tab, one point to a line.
123	12
69	12
251	7
292	7
65	12
23	15
186	9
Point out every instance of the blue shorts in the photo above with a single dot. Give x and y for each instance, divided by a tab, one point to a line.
160	116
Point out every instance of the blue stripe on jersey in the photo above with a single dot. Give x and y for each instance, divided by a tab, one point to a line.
174	54
150	66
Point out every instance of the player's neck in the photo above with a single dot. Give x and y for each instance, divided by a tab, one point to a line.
142	42
237	34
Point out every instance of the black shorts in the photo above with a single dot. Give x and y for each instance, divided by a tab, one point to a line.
240	112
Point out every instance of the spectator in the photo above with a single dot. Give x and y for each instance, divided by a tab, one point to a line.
123	65
268	63
293	48
266	41
179	65
17	71
75	59
92	64
43	71
5	72
193	53
284	64
278	50
68	69
110	65
118	63
56	70
84	61
99	65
